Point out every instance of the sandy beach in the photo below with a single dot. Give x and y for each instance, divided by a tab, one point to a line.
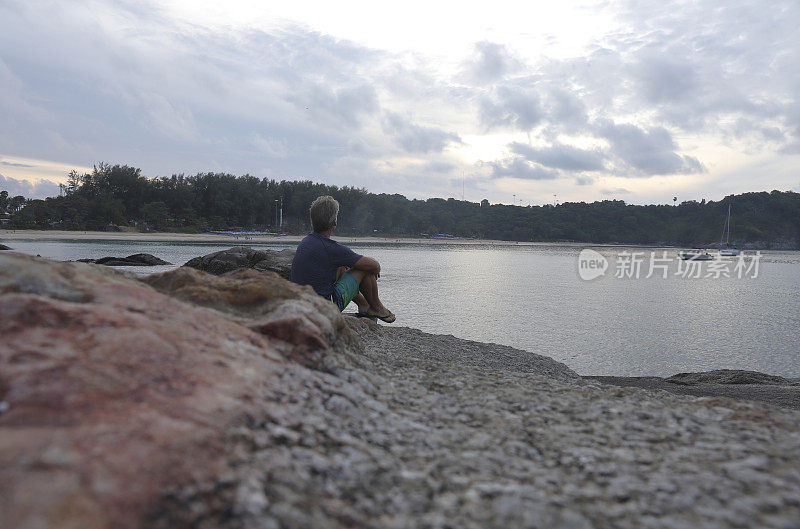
10	235
56	235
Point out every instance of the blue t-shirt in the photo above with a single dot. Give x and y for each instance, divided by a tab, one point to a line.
316	260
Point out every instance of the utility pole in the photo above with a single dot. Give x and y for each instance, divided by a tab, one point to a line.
280	224
276	213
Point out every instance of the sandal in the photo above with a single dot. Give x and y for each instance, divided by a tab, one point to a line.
389	318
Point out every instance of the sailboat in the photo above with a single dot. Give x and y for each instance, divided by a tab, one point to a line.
725	247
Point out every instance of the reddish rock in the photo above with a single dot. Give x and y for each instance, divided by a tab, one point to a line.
112	394
306	326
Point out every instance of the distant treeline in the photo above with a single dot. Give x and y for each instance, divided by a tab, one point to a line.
113	196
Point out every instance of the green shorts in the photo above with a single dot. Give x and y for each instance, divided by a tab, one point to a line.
344	290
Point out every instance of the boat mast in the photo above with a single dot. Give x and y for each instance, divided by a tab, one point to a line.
724	228
728	223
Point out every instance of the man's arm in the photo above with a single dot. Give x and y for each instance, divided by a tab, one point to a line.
368	264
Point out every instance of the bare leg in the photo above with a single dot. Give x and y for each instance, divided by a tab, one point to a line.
368	285
359	300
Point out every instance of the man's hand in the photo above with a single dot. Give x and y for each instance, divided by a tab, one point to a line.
368	264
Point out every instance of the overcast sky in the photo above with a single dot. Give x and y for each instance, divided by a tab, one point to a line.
638	100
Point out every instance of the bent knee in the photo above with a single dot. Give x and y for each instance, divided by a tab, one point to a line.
360	274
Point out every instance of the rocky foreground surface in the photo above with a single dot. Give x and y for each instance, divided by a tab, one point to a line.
242	401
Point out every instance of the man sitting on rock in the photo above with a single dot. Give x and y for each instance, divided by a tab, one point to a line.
335	271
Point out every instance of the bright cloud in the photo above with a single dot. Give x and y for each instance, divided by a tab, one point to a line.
36	189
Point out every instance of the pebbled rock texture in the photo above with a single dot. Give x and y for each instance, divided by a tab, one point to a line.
240	257
165	404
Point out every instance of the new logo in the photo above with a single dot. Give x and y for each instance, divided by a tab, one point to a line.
591	264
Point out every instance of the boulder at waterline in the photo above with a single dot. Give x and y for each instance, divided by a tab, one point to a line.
139	259
240	257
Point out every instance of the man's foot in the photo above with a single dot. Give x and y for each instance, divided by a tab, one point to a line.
385	316
364	312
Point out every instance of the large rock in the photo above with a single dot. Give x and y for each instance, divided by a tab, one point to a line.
240	257
139	259
4	247
268	304
113	394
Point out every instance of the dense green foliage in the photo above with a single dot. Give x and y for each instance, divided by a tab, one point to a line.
121	196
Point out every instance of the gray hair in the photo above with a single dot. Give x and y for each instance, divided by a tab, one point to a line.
323	213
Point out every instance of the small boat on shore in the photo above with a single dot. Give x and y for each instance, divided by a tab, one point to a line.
695	254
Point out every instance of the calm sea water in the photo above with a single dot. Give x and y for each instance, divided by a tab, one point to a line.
532	297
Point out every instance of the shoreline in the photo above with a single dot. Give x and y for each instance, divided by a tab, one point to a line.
65	235
55	235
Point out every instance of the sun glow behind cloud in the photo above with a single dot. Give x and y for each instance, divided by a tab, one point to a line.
446	30
30	170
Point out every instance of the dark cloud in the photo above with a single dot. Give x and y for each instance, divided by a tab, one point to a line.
39	189
11	164
415	138
491	63
561	156
520	168
515	107
704	65
346	106
584	181
665	79
85	85
640	152
565	109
